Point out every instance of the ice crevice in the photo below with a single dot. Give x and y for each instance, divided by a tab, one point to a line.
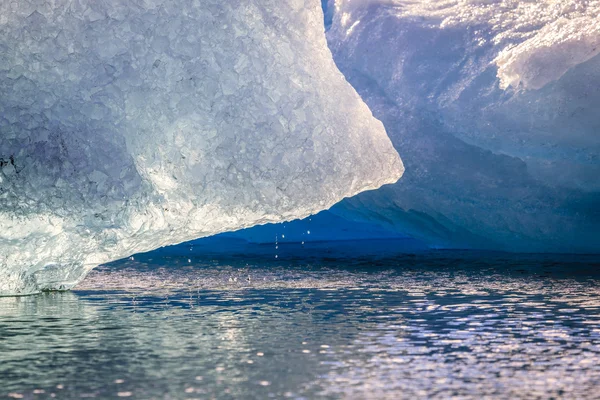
129	125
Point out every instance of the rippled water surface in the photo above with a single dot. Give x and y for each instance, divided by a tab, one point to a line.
423	325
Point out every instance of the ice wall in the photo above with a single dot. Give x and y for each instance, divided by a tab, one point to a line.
127	125
495	107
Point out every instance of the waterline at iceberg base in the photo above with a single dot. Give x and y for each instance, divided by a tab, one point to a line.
127	126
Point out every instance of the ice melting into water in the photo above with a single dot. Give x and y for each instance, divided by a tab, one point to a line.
129	125
495	106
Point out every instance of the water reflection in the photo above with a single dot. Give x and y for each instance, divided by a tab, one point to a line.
412	327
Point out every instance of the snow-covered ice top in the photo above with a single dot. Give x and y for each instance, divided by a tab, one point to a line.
540	40
127	125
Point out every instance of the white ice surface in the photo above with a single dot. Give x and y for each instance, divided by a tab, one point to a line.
539	41
127	125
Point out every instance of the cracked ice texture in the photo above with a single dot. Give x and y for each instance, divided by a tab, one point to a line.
127	125
494	104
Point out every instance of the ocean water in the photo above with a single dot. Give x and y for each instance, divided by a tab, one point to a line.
346	320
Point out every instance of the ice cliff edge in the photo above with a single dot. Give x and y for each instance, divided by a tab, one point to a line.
129	125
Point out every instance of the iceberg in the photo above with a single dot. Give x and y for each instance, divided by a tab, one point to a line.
133	124
494	104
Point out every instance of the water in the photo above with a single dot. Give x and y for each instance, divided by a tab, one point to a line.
366	326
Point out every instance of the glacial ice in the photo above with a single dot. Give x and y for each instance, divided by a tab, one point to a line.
127	125
494	104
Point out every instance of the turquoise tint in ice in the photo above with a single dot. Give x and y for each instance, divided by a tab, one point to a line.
325	226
